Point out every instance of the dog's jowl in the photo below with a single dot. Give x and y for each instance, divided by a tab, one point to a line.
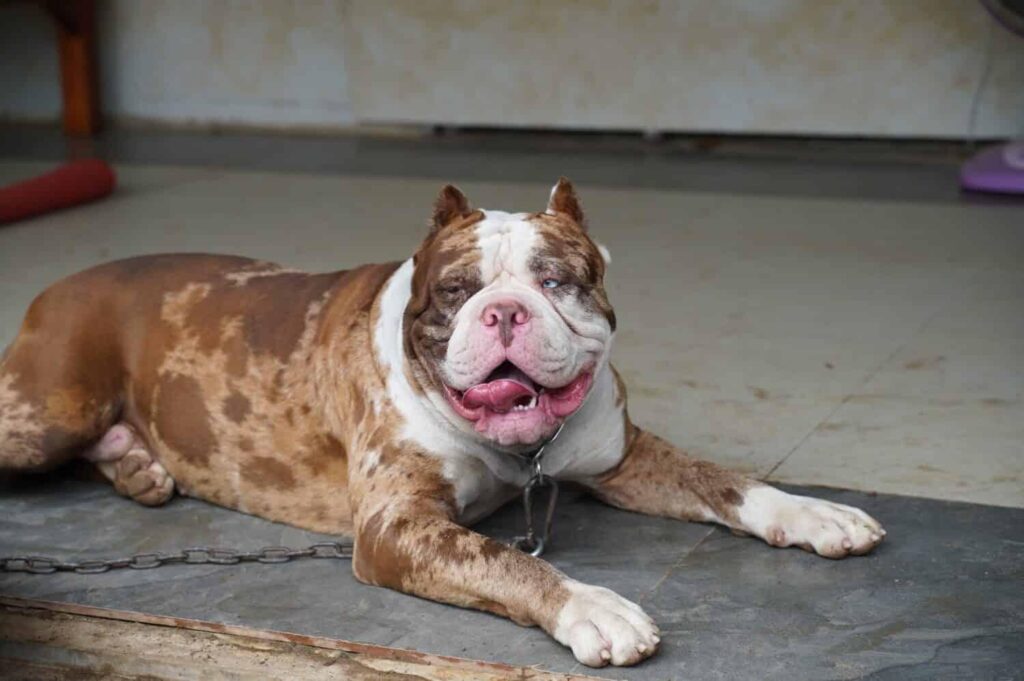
389	402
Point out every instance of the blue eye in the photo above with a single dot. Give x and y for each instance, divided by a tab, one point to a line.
551	283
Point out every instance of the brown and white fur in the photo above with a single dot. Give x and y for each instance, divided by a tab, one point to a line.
388	403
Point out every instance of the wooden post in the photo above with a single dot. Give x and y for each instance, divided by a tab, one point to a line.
76	39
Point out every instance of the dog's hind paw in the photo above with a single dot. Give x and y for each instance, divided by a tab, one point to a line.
124	460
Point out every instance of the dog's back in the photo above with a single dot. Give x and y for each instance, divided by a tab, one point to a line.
207	359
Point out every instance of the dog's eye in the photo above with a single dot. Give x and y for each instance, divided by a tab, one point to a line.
450	289
550	283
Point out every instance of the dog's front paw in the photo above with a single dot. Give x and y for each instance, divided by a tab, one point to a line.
826	528
602	627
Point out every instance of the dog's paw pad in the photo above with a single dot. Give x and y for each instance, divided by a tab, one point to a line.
604	628
114	444
143	479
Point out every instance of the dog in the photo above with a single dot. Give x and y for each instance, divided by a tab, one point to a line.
395	403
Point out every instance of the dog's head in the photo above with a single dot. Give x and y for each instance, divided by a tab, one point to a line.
508	320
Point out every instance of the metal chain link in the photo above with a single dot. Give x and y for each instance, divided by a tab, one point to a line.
194	555
533	542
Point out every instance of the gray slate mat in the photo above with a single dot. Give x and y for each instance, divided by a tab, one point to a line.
943	597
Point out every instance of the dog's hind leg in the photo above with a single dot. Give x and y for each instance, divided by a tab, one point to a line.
47	418
28	440
48	414
61	396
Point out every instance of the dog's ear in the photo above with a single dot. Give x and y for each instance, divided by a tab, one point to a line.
564	200
451	204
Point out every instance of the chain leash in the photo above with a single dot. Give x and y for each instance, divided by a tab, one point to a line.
533	542
194	555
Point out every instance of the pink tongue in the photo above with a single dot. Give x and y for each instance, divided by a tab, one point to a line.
498	395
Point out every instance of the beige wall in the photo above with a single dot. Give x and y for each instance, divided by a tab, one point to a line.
837	67
847	67
274	63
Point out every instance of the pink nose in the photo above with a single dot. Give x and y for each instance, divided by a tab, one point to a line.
504	316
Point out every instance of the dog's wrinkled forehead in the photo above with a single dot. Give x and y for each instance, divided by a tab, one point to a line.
530	247
491	244
469	250
506	244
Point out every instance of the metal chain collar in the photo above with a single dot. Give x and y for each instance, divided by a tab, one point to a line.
533	542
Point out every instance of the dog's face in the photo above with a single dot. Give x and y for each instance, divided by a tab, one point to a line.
508	319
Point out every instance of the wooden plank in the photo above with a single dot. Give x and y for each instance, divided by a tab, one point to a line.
48	640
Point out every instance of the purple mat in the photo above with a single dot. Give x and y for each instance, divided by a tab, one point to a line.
998	169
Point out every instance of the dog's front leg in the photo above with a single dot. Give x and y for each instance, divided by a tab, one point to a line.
406	539
657	478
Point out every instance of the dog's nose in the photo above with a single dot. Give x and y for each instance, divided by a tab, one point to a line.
504	316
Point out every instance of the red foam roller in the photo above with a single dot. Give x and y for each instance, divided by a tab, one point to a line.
69	185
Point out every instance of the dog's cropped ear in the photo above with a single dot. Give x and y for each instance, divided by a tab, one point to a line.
563	200
451	204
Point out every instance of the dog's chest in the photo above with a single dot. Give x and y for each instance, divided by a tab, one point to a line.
478	491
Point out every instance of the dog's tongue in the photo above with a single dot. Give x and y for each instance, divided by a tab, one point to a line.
507	384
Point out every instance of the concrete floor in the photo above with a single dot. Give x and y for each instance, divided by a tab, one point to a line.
874	345
812	323
940	599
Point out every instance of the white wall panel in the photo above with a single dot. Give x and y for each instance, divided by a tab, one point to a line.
836	67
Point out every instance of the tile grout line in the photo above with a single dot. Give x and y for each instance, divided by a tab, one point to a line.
677	563
650	592
867	379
